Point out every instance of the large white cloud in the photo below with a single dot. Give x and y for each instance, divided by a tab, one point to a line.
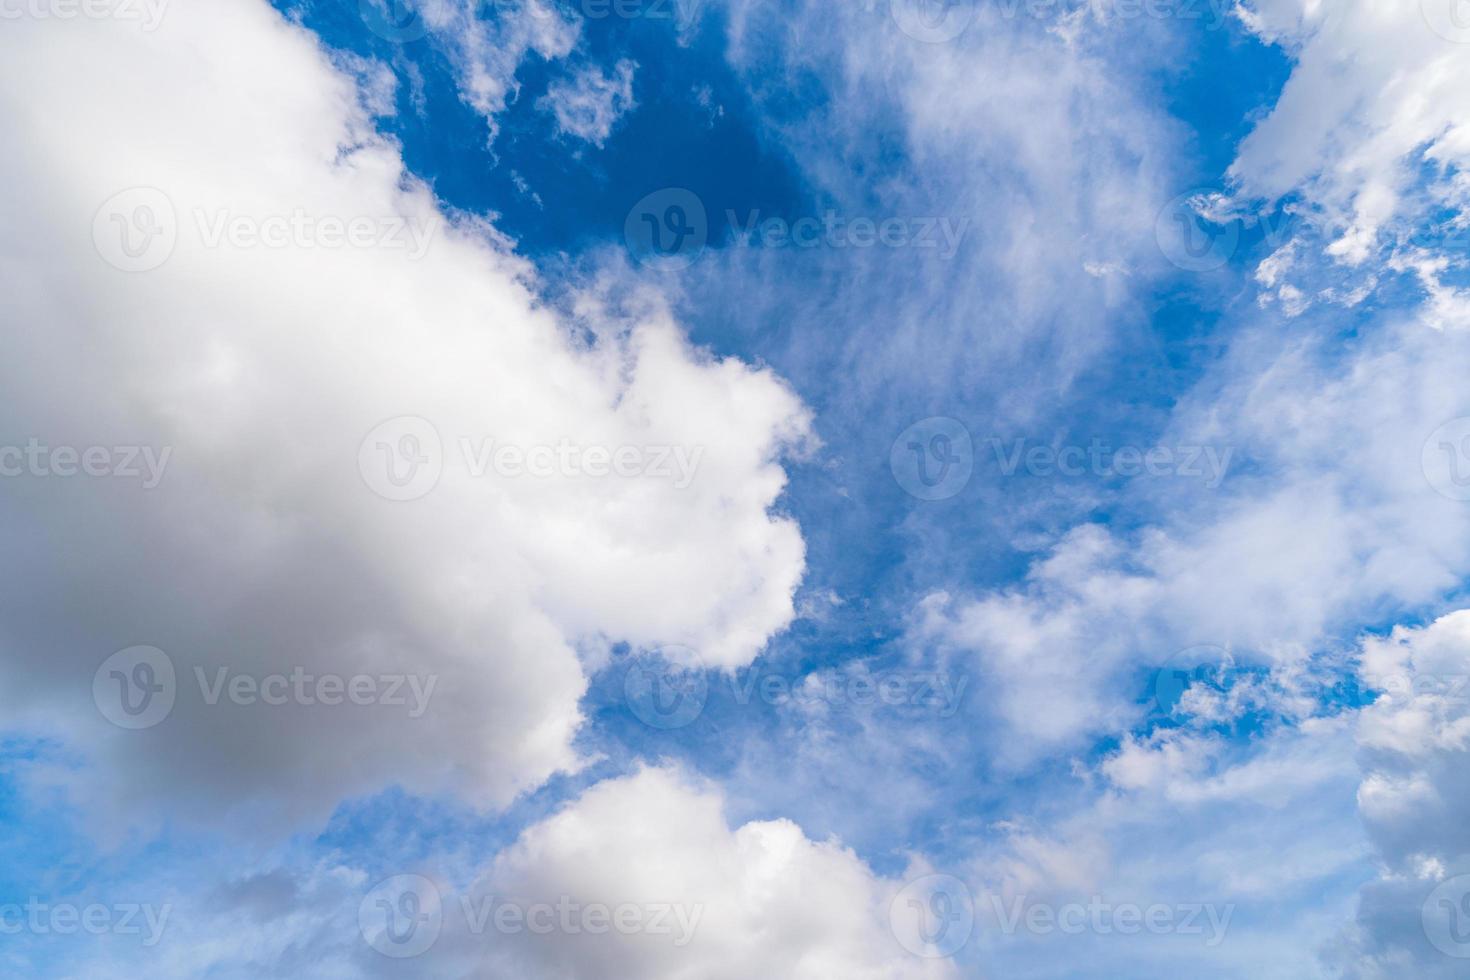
640	876
263	370
1414	743
766	901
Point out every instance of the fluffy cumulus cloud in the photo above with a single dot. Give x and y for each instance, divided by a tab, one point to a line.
395	507
588	104
758	900
1370	139
1414	742
641	876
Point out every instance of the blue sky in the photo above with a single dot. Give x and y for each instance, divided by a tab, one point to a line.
1043	549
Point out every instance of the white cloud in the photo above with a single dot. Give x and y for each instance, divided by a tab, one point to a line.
698	899
1374	102
588	104
262	370
1414	746
771	902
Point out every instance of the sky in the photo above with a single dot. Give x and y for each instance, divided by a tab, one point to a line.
718	489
